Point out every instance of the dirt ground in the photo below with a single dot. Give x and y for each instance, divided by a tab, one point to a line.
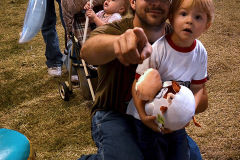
30	102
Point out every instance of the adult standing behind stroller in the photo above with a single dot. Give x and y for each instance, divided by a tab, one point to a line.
49	33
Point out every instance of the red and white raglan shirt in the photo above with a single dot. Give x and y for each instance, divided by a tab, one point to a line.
174	63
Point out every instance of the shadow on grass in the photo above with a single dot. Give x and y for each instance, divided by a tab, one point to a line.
27	87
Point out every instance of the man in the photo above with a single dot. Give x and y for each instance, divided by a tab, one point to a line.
49	33
117	49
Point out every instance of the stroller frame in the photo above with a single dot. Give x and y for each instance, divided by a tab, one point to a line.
66	88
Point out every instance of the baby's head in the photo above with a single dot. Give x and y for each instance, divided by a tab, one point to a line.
116	6
206	6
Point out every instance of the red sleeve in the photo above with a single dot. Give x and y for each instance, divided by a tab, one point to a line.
137	76
198	81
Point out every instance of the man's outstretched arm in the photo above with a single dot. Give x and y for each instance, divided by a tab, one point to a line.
132	47
99	49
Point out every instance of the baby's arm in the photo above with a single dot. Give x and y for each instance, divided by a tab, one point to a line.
197	90
140	106
94	18
98	21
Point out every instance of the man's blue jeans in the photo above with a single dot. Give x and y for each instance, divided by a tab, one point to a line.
194	150
52	52
115	137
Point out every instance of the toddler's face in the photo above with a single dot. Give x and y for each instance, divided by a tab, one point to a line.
189	22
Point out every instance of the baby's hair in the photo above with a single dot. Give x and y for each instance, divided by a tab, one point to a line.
205	5
126	5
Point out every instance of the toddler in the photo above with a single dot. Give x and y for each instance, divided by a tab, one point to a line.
178	56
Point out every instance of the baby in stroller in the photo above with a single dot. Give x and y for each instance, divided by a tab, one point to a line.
74	12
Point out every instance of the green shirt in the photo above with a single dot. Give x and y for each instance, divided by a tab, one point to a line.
114	79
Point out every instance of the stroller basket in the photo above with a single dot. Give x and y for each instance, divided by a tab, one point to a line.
65	88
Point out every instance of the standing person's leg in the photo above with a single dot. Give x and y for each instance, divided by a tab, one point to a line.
52	53
63	23
114	138
60	13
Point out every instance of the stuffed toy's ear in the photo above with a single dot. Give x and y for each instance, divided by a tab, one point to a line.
176	86
148	85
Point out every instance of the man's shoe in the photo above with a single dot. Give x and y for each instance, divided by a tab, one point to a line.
54	71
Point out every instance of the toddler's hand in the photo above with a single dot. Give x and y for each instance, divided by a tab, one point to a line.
149	121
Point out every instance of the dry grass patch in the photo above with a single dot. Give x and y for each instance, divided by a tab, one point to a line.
30	103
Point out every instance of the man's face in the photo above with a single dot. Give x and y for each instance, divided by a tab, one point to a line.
152	13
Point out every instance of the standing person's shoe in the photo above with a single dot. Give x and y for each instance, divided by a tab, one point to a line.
54	71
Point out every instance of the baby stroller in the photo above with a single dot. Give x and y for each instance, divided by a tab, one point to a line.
87	74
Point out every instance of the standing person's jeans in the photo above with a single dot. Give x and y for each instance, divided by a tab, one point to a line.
52	53
116	140
114	137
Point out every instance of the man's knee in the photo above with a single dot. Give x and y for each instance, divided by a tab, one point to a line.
114	137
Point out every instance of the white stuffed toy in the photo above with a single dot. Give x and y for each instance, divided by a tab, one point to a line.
174	105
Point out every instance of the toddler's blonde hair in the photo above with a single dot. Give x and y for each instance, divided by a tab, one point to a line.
206	6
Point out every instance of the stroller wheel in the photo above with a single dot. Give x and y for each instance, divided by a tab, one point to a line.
64	91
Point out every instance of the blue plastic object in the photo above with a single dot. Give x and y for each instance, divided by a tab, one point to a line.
33	21
13	145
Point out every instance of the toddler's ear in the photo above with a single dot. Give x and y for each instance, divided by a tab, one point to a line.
207	26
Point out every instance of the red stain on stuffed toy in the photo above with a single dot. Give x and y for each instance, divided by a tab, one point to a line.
163	109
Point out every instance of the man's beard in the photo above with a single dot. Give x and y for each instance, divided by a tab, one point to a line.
156	25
